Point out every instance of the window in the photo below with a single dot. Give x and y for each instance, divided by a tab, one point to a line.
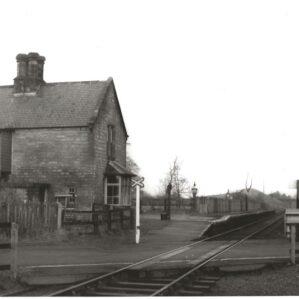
72	190
126	190
5	153
111	132
111	143
117	190
113	190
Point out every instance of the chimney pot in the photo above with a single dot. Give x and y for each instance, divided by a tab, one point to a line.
30	72
33	55
21	57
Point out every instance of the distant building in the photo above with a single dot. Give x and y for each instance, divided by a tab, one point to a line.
62	138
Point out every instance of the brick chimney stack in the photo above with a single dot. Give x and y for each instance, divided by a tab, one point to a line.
30	74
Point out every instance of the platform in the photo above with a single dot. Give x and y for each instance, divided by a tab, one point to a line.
87	256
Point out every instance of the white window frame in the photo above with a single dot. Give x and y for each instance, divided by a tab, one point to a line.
118	184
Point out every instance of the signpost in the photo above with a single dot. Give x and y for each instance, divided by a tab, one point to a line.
137	183
294	184
291	220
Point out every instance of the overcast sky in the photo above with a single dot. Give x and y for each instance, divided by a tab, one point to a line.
214	83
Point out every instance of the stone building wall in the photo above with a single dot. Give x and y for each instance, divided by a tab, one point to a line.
109	115
61	157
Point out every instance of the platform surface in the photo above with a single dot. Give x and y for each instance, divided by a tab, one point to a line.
85	256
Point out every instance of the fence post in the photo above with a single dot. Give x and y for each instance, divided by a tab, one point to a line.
293	244
59	215
121	216
8	212
14	251
109	220
95	219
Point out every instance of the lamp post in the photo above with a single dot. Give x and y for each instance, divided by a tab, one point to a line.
229	198
168	206
227	194
165	215
194	193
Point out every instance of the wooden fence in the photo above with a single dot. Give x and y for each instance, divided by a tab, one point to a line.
32	218
205	205
213	205
9	241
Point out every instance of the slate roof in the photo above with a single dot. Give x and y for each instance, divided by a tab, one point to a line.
65	104
114	168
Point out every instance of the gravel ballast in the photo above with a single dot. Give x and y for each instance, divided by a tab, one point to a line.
274	280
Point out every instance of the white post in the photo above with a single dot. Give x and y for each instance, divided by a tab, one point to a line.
137	214
14	250
293	244
59	215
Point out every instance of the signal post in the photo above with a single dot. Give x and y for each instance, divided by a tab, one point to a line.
137	183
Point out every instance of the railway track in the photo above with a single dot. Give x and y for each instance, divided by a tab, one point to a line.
127	281
32	291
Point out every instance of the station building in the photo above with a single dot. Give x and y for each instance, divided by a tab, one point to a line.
62	138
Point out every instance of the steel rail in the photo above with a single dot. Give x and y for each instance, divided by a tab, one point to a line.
202	264
74	288
18	293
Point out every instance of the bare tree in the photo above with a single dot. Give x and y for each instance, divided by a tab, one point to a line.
132	165
179	183
130	162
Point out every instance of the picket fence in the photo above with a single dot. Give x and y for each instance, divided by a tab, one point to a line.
33	218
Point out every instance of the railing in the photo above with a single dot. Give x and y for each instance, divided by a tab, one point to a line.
10	229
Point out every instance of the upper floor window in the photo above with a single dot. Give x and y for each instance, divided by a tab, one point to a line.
5	153
111	143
